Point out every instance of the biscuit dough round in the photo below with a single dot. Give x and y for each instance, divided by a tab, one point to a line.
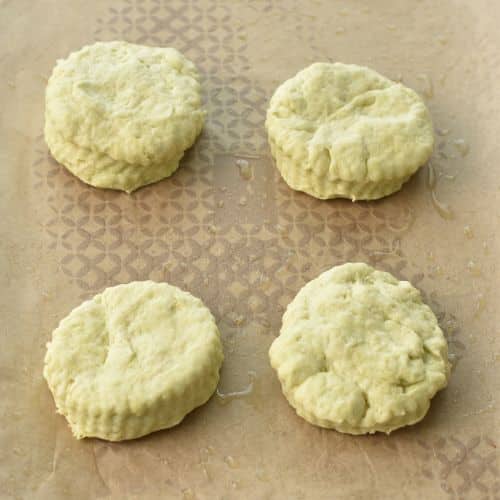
134	108
134	359
359	352
341	130
100	170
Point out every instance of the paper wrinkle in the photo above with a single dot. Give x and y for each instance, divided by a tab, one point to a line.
98	470
56	454
368	461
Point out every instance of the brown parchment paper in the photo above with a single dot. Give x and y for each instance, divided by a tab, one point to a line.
227	228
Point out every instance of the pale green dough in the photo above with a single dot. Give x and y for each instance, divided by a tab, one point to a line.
340	130
121	115
100	170
134	359
359	352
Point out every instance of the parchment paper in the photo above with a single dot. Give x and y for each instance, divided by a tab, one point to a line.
227	228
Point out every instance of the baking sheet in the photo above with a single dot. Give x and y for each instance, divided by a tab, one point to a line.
227	228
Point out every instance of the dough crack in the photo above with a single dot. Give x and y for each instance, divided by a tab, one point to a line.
364	394
351	102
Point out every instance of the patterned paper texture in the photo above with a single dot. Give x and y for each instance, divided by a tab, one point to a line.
227	228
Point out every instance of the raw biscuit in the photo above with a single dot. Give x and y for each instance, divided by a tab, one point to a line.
341	130
359	352
129	109
134	359
100	170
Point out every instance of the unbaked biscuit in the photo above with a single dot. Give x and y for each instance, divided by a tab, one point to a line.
134	359
341	130
135	108
359	352
102	171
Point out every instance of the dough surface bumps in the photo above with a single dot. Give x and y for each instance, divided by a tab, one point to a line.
359	352
120	115
345	131
134	359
